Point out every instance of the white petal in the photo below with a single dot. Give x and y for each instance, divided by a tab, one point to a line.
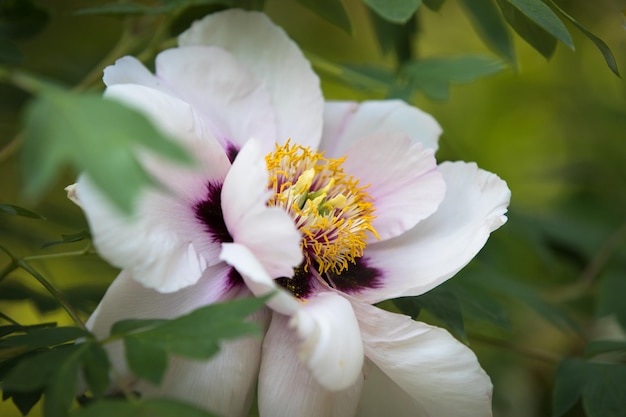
403	180
154	244
287	388
438	247
129	70
256	279
346	122
223	384
382	396
274	59
231	101
441	374
331	346
126	299
268	232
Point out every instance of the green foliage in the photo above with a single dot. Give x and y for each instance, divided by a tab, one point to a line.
537	37
434	5
68	238
9	52
396	11
599	384
126	9
20	19
603	47
196	335
433	76
611	296
331	10
60	129
157	407
46	360
442	303
19	211
543	16
489	25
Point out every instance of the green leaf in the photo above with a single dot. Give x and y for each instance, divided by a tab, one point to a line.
604	394
60	129
433	5
479	304
124	9
9	52
541	14
396	11
17	291
146	360
603	47
442	304
19	211
157	407
569	383
598	347
197	334
61	387
131	325
95	363
13	328
331	10
611	296
489	25
21	19
531	32
35	372
393	36
44	337
24	401
433	76
69	238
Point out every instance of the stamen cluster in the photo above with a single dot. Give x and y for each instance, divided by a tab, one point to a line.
333	213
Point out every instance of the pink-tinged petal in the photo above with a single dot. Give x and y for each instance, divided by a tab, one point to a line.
288	389
274	59
223	384
268	232
184	125
129	70
441	374
231	101
403	180
330	346
256	279
438	247
346	122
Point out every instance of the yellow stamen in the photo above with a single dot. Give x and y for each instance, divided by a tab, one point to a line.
332	212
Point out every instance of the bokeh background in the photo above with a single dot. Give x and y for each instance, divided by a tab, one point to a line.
547	282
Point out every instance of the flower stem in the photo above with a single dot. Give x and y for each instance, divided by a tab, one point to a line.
528	352
53	291
9	319
86	251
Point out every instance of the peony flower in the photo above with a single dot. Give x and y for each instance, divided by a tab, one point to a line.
338	205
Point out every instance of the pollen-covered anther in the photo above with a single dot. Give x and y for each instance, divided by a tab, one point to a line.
332	212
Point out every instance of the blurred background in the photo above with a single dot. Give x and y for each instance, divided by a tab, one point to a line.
550	280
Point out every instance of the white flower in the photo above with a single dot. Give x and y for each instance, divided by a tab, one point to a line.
372	218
